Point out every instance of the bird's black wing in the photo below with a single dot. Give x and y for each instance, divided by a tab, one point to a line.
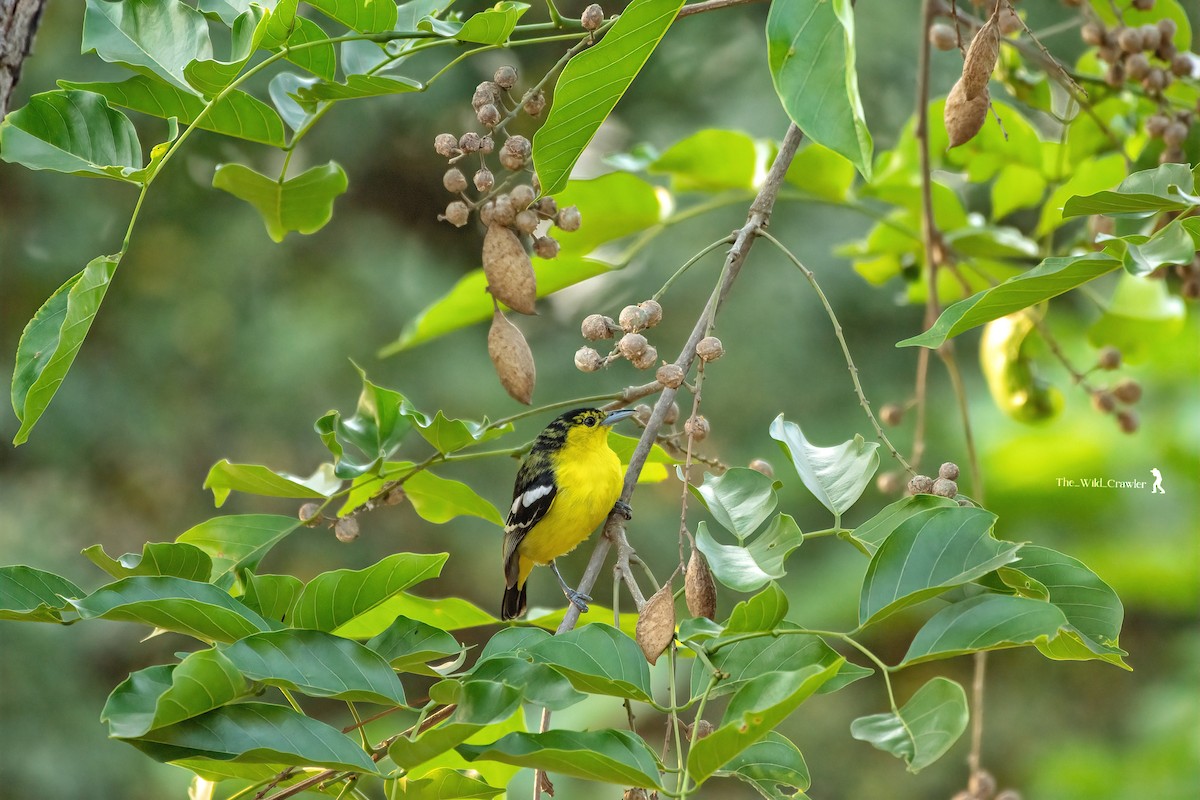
533	495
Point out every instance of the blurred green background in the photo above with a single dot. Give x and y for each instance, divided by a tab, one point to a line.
216	343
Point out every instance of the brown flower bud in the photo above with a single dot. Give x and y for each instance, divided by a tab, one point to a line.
697	428
512	359
568	219
592	17
656	624
457	214
454	180
545	247
670	375
641	413
699	588
710	348
596	327
949	471
446	144
505	77
508	269
588	360
346	529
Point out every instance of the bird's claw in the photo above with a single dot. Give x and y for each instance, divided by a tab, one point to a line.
624	509
579	600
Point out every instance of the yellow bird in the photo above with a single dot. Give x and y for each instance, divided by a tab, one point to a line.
570	482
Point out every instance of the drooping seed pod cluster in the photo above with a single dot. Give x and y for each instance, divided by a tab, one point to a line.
632	344
944	485
1117	401
967	104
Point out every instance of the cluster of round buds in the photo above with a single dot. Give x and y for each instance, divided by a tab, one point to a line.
982	786
632	346
1173	128
944	485
1126	392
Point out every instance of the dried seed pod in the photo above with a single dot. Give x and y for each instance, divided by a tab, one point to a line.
1128	421
522	195
942	36
920	484
1156	125
505	77
486	94
484	180
512	359
588	360
699	588
1109	357
1176	134
641	413
508	269
656	624
535	104
672	414
1103	402
526	222
697	428
949	471
763	466
1155	80
568	219
1151	37
633	318
446	144
487	212
596	327
981	59
346	529
545	247
982	784
1130	40
964	117
645	359
457	214
653	312
1167	27
944	488
310	514
1166	50
454	180
1128	391
889	483
1181	65
631	345
1093	34
710	348
511	161
592	17
1114	76
518	145
487	144
670	375
488	115
503	211
703	728
1137	66
891	414
547	207
470	142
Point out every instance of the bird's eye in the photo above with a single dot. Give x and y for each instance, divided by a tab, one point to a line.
590	422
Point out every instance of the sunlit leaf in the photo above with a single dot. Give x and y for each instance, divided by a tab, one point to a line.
171	559
491	26
353	603
224	477
872	532
835	475
610	756
364	16
238	542
822	173
154	37
709	160
449	435
927	725
444	784
478	704
357	86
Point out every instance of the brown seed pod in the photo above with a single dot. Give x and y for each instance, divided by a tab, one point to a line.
964	117
1114	76
942	36
699	588
632	344
503	211
483	179
545	247
982	784
1103	402
1151	37
446	145
653	312
588	360
670	375
697	428
470	142
944	488
641	413
457	214
518	145
596	327
672	414
454	180
891	414
645	359
1137	66
547	207
1128	421
981	59
1093	34
1181	65
1176	134
656	624
488	115
710	348
568	219
486	94
310	514
505	77
487	144
1130	40
1128	391
1156	125
949	471
592	17
511	161
1154	81
763	466
633	319
346	529
509	270
535	104
526	222
703	727
512	359
920	484
1109	357
522	195
487	212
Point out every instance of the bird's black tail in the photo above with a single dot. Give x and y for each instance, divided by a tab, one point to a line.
513	604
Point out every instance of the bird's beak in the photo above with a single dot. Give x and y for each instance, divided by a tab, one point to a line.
613	417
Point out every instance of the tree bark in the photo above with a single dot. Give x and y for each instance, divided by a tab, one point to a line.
18	24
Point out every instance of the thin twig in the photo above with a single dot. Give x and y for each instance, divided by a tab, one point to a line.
711	5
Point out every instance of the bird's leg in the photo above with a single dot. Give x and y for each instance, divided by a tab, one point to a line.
578	599
624	509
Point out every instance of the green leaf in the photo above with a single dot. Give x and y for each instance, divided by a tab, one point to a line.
822	173
211	76
317	664
928	554
512	641
874	531
709	160
408	645
835	475
34	595
237	542
1101	173
592	83
154	37
492	26
52	339
925	728
655	468
810	48
984	622
1140	316
446	784
479	704
1171	245
1091	606
72	132
1049	279
740	500
760	613
174	604
364	16
433	497
282	89
450	435
447	613
380	422
256	733
611	756
272	596
754	711
170	559
168	693
747	659
540	684
1017	186
303	203
354	603
1168	187
357	86
319	59
773	766
236	114
598	659
225	477
749	568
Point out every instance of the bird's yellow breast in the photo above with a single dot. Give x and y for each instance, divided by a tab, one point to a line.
588	475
